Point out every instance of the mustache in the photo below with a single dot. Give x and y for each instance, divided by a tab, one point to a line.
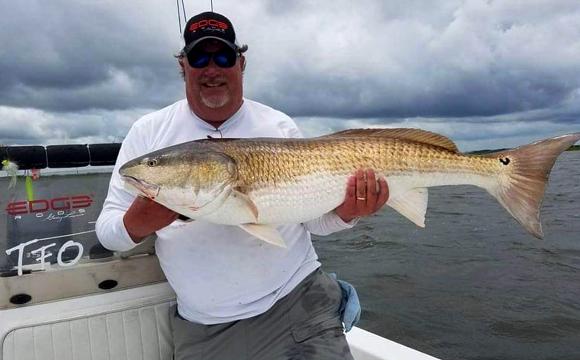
207	79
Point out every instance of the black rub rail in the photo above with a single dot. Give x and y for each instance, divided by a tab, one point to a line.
60	156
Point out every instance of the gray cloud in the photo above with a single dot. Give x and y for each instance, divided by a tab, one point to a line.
470	133
476	59
84	71
68	56
36	127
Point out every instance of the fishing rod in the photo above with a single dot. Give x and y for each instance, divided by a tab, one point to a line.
182	13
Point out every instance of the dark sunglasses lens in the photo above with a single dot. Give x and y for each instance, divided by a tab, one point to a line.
198	60
225	59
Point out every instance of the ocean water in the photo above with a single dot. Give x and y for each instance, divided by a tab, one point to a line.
472	284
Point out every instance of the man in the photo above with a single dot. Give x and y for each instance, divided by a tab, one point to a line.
237	297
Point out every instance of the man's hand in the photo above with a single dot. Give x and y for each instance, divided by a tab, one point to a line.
145	216
363	196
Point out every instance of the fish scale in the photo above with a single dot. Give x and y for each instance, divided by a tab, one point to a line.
259	183
292	180
278	162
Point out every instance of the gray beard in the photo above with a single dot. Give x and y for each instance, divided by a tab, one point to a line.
214	102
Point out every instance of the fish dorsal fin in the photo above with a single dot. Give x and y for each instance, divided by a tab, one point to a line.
416	135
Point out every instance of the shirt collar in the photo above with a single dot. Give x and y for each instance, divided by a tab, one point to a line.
226	124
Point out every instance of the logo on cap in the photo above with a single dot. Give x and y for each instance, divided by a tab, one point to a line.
217	25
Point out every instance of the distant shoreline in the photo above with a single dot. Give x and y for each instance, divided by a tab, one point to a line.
487	151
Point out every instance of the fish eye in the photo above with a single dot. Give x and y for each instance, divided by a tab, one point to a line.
505	161
151	162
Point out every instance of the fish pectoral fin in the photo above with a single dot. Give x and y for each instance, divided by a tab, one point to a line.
247	203
267	233
412	205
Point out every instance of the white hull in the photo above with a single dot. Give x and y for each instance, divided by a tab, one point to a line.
119	325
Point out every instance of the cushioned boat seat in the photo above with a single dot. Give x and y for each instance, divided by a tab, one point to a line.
134	334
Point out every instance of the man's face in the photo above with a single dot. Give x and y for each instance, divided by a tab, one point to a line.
214	93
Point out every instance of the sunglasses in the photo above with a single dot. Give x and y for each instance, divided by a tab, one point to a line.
224	58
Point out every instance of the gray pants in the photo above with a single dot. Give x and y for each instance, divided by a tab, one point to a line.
305	324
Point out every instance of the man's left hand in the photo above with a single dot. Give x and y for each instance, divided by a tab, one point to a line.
364	196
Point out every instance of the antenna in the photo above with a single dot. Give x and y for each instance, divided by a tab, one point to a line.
184	14
211	3
178	16
179	13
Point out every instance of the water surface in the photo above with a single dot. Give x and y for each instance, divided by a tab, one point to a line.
472	284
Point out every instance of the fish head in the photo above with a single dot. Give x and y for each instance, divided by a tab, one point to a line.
180	177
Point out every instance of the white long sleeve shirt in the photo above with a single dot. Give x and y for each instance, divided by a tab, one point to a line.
220	273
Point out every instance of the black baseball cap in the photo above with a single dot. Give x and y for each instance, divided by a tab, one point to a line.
209	25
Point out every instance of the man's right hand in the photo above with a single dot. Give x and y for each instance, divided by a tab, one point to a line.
145	217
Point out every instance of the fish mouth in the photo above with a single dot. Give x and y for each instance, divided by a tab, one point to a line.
149	190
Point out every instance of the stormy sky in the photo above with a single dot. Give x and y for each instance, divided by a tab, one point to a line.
485	73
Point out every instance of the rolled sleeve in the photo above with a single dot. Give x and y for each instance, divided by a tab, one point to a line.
329	223
110	227
112	233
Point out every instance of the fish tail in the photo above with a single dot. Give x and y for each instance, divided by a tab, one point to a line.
521	184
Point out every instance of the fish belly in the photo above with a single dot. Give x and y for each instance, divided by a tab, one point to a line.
301	200
296	182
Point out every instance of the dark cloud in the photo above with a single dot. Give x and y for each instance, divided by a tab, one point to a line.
332	64
117	89
459	96
69	56
470	58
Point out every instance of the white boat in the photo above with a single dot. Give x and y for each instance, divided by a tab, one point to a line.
69	316
103	306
